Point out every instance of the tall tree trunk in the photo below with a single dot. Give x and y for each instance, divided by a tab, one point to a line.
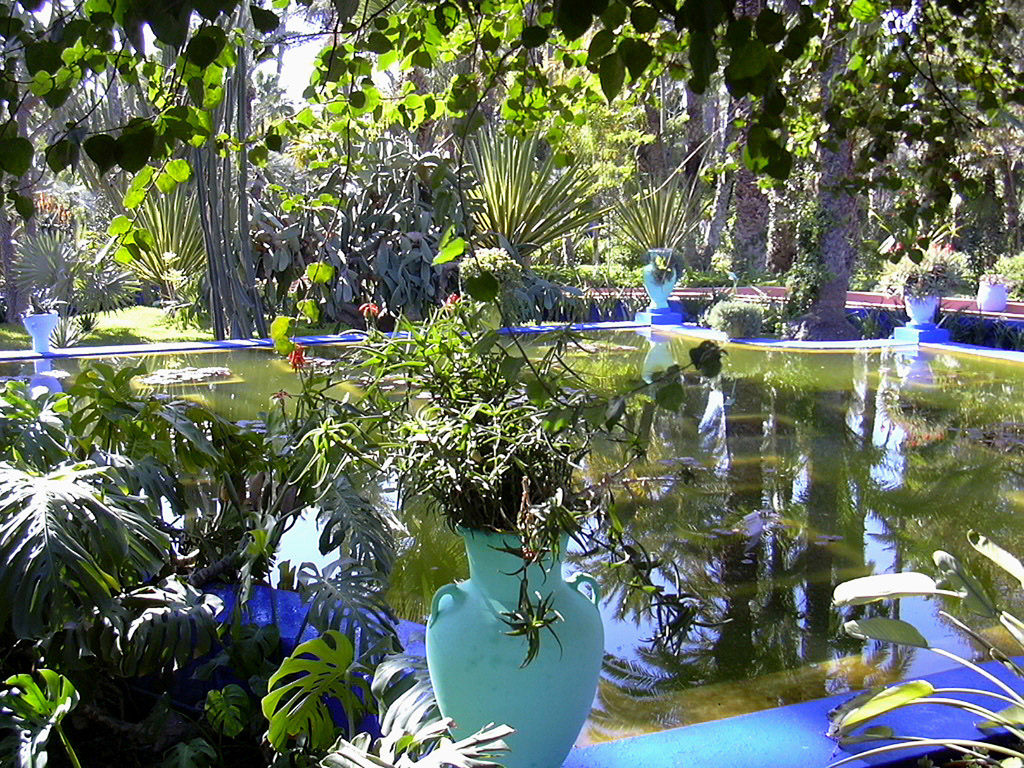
750	228
827	316
653	157
781	230
1011	202
15	302
721	205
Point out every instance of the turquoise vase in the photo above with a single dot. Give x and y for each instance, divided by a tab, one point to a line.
477	669
659	290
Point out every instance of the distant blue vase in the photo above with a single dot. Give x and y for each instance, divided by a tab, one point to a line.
659	290
476	666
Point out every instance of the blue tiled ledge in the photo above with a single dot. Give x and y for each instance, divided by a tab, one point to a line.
794	736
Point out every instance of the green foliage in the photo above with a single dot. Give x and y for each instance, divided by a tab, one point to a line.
296	701
175	261
32	711
736	319
977	599
511	276
522	203
662	216
227	710
69	536
940	273
1013	268
66	274
196	753
808	273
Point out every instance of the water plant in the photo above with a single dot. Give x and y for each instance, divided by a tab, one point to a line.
956	583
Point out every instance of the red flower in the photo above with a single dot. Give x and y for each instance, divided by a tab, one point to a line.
297	357
369	309
452	300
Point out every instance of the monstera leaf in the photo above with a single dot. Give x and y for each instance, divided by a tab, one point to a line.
68	536
348	598
32	711
228	710
316	671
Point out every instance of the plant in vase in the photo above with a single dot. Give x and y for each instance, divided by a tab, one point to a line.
488	434
993	292
42	319
922	284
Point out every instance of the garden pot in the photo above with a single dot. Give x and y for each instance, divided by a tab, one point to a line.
40	327
477	669
992	297
659	290
921	309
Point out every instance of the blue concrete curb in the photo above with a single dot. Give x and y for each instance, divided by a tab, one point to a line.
794	736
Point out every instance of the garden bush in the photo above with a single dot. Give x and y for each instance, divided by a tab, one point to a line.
940	273
1013	268
736	319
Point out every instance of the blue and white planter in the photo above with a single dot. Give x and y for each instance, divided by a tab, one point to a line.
921	328
41	327
659	289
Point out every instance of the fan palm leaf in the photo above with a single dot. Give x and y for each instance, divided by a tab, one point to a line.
522	205
68	538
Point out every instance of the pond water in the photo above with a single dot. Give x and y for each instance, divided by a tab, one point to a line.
788	474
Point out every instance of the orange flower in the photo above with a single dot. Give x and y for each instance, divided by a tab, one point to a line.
369	309
297	357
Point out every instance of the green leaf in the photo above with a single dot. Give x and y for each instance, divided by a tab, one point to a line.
883	702
280	333
196	753
179	170
482	287
770	26
975	598
264	21
378	43
703	60
119	225
309	309
997	555
600	44
886	630
31	711
886	586
134	147
644	18
670	396
637	54
1011	715
748	60
612	73
16	155
450	248
320	272
298	692
205	46
864	10
102	150
61	154
227	710
24	205
536	392
706	357
534	36
165	183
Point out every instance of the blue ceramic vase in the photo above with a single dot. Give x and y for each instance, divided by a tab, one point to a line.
661	289
477	669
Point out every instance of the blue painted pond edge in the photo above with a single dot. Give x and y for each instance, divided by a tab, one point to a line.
664	331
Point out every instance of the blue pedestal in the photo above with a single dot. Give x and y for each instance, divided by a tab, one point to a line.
665	316
926	333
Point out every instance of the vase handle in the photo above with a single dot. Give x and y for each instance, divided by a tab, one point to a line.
578	579
448	590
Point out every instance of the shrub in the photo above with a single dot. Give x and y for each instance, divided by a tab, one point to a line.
511	277
940	273
736	319
1013	268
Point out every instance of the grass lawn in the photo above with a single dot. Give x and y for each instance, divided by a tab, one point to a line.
136	325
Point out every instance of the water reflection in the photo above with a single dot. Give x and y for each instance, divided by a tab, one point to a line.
784	476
